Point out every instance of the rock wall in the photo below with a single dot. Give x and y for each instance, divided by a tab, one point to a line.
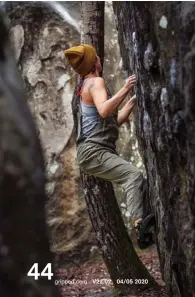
23	231
39	33
39	37
157	44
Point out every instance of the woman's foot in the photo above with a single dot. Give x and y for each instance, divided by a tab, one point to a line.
145	231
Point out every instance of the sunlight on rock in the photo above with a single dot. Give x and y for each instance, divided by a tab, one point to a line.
62	80
127	214
163	22
123	205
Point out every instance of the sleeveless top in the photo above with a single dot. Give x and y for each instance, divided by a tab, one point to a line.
92	129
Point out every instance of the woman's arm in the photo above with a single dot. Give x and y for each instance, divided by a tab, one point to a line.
126	111
99	95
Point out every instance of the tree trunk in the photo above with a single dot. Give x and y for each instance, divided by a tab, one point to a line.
157	43
116	247
92	31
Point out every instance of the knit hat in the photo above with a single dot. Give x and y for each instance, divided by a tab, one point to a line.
81	58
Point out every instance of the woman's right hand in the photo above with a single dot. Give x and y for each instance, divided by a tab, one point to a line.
130	82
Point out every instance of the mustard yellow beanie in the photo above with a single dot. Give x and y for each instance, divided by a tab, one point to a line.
81	58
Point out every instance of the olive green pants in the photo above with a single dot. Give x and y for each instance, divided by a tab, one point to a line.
103	163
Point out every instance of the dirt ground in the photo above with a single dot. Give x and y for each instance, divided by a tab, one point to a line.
92	279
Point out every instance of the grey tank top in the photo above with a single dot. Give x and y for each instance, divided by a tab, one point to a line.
90	117
95	130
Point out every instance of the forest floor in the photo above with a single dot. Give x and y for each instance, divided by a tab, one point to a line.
92	279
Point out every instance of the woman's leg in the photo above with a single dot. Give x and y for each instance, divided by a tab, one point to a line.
112	167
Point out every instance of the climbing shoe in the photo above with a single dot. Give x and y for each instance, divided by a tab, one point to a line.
145	232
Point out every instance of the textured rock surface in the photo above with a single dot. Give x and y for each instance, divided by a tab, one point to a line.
39	52
49	81
23	232
157	43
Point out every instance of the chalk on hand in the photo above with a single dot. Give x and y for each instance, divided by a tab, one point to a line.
133	97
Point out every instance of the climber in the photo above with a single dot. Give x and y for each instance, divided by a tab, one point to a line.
97	133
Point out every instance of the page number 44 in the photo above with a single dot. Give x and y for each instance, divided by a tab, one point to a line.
34	271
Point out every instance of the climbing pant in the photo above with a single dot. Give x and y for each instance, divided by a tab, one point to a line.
109	166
